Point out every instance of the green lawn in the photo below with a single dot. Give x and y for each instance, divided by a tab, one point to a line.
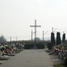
59	65
0	63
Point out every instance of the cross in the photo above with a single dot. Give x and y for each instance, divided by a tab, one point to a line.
35	26
32	34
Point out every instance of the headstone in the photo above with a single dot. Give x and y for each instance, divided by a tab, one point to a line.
4	57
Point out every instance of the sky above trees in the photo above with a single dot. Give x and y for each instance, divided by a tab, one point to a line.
16	16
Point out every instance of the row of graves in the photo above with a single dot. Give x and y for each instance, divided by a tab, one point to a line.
59	50
9	50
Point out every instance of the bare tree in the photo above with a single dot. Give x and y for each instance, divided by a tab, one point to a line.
2	38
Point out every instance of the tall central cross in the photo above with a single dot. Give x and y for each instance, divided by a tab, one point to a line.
35	26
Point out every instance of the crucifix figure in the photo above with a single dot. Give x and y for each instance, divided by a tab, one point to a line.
35	26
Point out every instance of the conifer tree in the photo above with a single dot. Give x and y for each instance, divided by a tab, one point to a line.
58	39
52	38
63	38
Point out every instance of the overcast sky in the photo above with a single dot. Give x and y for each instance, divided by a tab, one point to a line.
16	16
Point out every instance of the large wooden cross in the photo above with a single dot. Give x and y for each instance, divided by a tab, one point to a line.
35	26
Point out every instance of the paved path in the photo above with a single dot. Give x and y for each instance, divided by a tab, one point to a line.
29	58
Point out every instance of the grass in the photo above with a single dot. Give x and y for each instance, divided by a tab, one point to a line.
4	59
47	51
45	46
59	65
0	63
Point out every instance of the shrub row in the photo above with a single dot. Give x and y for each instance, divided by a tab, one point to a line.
30	46
40	46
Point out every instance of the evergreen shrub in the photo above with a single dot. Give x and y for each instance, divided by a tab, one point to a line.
49	45
28	46
40	46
